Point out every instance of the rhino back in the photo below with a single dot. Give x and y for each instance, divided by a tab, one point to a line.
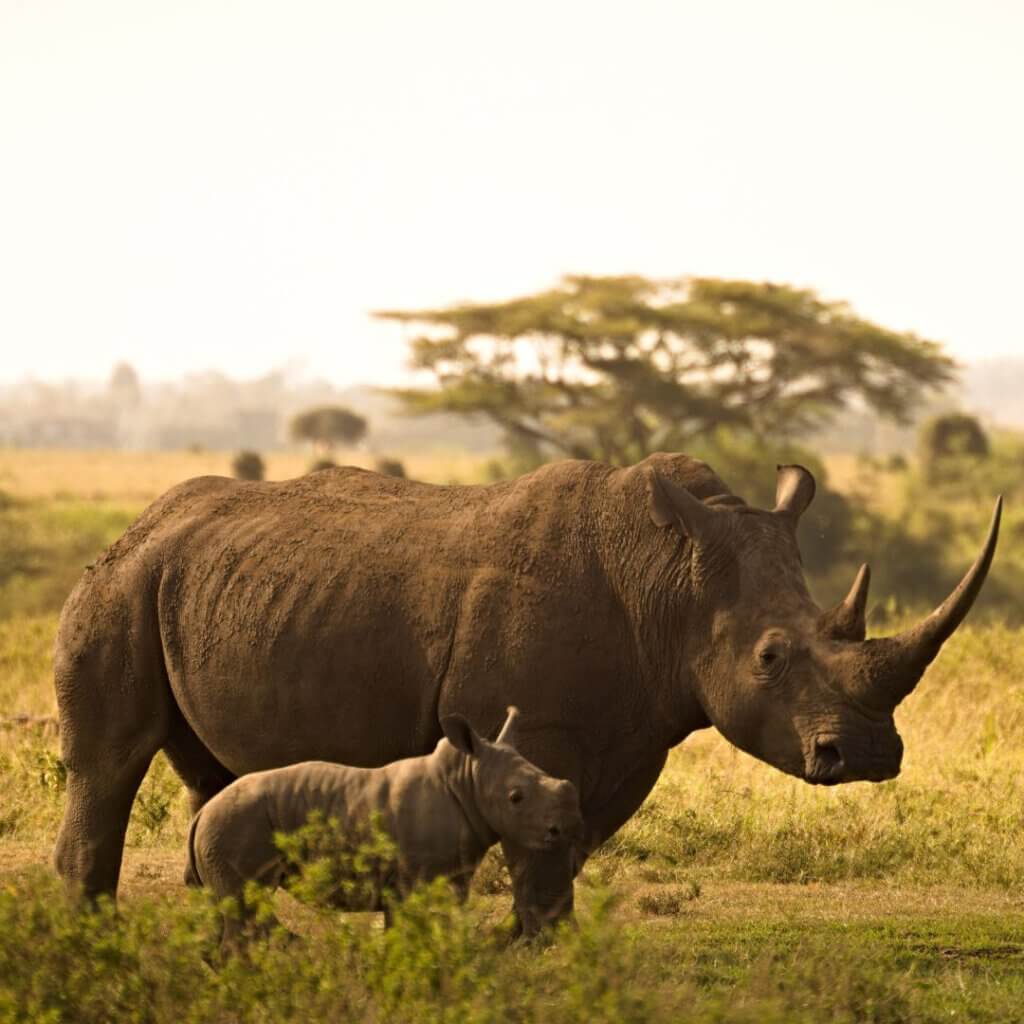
315	618
318	618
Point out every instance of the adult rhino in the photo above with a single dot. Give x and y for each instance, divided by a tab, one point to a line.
240	626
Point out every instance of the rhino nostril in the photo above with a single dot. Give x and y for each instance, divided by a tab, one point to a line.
553	831
827	755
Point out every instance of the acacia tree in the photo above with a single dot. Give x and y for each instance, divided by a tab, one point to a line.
327	426
613	368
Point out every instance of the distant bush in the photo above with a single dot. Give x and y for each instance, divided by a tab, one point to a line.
247	466
952	436
321	464
389	467
328	425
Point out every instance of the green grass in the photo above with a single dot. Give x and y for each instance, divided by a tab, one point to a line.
46	545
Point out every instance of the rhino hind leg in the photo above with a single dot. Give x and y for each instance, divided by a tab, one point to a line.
114	705
91	839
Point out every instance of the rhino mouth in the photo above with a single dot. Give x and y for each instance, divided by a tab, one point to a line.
826	765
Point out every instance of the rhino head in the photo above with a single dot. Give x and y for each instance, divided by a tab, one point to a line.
515	798
796	686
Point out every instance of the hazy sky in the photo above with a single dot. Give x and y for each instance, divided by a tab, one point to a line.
208	184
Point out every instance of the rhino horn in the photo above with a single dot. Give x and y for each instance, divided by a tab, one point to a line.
848	621
794	491
507	730
896	663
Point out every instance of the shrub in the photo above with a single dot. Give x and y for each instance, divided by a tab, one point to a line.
247	466
953	434
389	467
328	425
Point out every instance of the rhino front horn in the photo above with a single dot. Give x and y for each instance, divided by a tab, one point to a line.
897	663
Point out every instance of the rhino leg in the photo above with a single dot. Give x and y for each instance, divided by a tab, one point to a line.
91	840
228	854
542	883
114	705
203	775
542	887
624	802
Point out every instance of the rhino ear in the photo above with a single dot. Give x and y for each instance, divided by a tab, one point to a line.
794	491
460	734
672	505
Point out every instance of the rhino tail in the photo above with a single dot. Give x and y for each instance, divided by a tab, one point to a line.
191	872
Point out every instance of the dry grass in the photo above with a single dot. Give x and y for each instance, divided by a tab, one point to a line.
134	478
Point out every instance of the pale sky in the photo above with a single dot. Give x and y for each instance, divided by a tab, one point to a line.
217	185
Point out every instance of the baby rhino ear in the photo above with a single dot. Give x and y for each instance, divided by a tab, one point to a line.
460	734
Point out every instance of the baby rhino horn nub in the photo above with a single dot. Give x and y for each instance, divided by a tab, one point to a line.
506	734
896	663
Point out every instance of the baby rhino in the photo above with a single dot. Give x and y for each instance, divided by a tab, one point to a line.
443	811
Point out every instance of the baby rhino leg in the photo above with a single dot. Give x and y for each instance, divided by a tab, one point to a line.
226	856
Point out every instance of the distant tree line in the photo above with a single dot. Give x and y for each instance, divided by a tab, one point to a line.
614	368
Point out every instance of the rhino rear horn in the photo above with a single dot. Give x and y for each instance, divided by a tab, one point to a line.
848	620
794	491
896	663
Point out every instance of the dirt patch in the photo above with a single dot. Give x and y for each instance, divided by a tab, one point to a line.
144	871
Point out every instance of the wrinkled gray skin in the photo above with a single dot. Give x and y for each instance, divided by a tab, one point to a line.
241	626
443	810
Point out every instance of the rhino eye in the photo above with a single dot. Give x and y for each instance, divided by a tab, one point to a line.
772	657
516	796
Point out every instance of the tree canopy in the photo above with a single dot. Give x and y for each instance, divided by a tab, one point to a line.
613	368
328	425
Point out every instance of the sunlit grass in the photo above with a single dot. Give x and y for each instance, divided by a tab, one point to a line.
136	478
955	812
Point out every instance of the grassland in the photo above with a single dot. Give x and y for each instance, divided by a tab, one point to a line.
736	894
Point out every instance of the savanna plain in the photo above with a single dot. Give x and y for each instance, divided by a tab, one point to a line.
735	894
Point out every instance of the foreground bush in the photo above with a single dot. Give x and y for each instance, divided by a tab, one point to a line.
152	962
155	961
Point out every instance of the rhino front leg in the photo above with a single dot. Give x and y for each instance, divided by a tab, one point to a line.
542	886
623	803
542	883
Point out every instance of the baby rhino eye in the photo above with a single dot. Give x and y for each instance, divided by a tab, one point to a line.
516	795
